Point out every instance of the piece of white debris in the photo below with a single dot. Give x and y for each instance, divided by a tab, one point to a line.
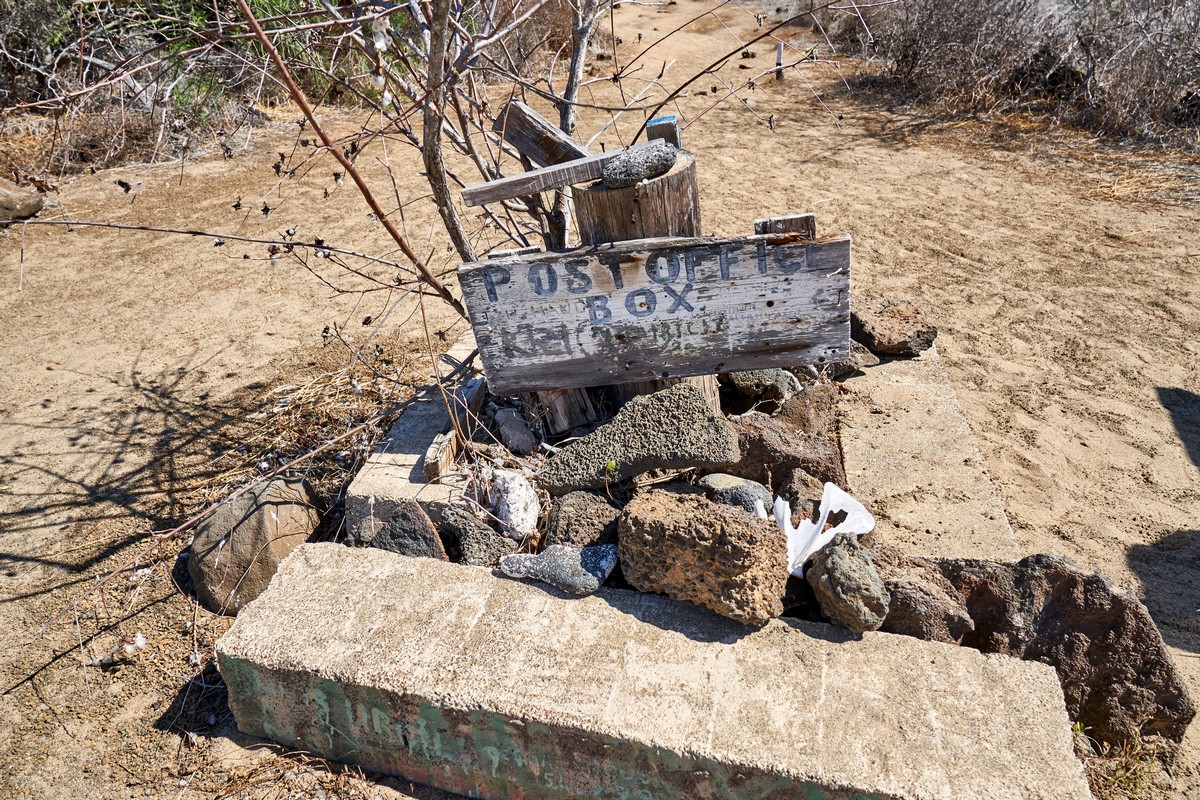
808	537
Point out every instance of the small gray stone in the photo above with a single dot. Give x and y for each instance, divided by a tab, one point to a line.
514	431
640	163
848	587
515	503
733	491
572	569
860	358
671	429
767	384
470	540
410	532
583	519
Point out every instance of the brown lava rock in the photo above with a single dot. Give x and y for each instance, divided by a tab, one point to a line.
924	604
891	327
771	449
690	548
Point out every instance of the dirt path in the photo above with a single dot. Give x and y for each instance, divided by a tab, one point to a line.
1068	308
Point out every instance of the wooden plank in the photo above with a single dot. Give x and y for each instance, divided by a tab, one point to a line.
439	458
805	224
540	180
516	251
666	128
659	308
535	137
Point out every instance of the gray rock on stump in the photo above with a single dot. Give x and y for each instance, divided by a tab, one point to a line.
639	164
731	490
891	327
847	585
470	540
573	569
409	532
673	429
237	550
18	203
690	548
583	519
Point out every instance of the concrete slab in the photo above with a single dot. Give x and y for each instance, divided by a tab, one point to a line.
490	687
395	472
912	460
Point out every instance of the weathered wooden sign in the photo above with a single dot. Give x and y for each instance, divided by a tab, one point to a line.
659	308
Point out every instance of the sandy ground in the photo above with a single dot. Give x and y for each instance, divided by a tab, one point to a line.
1066	284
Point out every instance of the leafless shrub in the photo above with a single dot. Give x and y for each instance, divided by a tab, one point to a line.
1127	69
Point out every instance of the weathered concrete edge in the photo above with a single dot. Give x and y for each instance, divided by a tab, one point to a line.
912	459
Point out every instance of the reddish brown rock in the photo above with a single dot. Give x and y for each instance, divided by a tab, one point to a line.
1117	676
924	604
812	410
891	327
771	450
690	548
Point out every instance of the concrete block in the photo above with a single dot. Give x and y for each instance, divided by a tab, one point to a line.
395	472
912	460
453	677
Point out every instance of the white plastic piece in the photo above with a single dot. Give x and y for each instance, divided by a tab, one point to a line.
807	538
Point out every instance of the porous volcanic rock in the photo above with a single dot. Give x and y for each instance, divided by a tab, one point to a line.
891	327
924	604
577	570
731	490
812	410
409	532
803	492
470	540
582	519
690	548
847	585
1117	676
771	450
18	203
768	384
237	550
674	428
640	163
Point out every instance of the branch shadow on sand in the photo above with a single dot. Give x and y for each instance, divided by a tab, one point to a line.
83	479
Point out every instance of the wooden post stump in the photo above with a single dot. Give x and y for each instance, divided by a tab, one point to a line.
668	205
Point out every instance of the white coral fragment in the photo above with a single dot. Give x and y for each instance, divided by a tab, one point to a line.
809	537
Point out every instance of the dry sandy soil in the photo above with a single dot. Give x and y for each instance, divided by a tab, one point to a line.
1065	282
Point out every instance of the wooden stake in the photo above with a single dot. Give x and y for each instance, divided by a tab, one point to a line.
779	61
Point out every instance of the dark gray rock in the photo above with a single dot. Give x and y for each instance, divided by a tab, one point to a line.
514	431
891	327
1117	677
582	519
771	449
573	569
17	203
640	163
409	532
847	585
470	540
674	429
765	384
812	410
860	358
687	547
924	604
731	490
237	550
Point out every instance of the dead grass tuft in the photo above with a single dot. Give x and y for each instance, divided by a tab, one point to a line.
1131	771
